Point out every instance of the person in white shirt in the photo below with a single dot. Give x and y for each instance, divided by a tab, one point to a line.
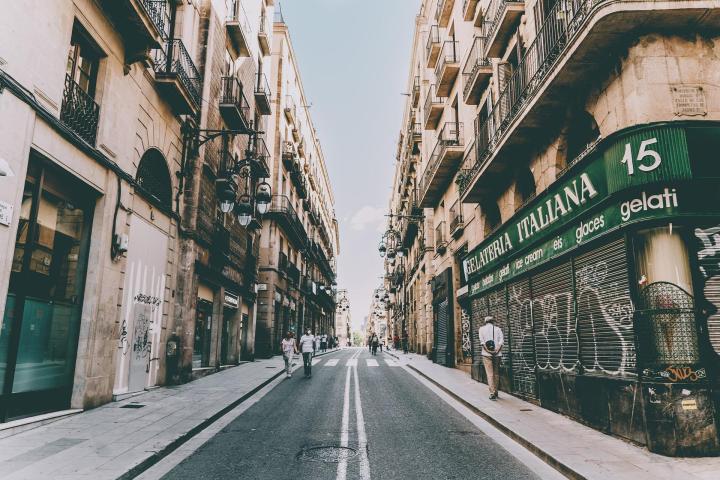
307	347
289	349
492	341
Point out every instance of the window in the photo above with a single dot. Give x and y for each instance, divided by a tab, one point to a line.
153	178
524	187
492	216
582	131
83	60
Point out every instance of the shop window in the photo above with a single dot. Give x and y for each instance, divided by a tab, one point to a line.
666	304
153	178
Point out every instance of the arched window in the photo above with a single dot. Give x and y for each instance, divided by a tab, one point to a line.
524	187
492	216
153	177
582	131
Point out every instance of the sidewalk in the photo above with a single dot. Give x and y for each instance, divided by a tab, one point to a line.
121	439
575	450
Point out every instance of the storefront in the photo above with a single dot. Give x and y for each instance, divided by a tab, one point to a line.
203	327
41	324
443	324
606	287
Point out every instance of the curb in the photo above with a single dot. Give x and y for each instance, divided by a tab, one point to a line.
185	437
535	449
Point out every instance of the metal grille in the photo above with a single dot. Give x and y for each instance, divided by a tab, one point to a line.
556	340
667	320
497	307
79	111
154	178
521	333
441	334
605	311
466	334
479	310
709	263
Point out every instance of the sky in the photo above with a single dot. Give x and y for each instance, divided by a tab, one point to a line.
354	60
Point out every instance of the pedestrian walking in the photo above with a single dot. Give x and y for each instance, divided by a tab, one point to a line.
374	342
405	342
492	341
289	349
323	343
396	342
370	343
382	344
307	347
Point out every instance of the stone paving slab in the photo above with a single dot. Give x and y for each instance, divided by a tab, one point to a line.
111	442
574	449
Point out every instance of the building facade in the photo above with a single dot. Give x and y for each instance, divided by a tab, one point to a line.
553	172
343	319
125	272
299	242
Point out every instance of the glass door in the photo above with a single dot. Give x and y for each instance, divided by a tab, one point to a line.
39	335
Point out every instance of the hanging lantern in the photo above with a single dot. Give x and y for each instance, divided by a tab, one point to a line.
226	191
382	249
244	210
263	196
391	253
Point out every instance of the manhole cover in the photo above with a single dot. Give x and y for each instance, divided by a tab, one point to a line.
526	409
327	453
133	405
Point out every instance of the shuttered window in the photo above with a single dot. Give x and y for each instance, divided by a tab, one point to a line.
497	307
479	311
521	332
605	311
556	341
441	334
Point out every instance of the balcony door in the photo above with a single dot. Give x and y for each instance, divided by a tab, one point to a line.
39	332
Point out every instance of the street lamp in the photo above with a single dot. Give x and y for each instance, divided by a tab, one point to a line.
263	195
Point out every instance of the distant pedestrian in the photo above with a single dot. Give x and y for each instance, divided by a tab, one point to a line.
405	341
316	345
323	343
374	343
396	342
382	344
492	341
307	347
370	343
289	349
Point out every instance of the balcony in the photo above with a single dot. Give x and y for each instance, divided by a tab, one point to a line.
282	262
298	179
79	111
502	17
301	147
234	107
444	12
290	109
457	223
263	36
434	106
307	204
442	165
415	132
177	77
415	96
262	94
447	68
469	10
293	275
476	72
143	24
282	211
432	48
263	157
570	48
238	28
288	154
441	241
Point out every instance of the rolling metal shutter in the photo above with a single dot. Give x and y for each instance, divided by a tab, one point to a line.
441	334
521	333
497	307
709	263
479	311
466	334
605	311
556	341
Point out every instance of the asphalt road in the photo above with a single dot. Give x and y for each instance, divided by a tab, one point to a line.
399	429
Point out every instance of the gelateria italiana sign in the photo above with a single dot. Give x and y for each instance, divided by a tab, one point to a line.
642	157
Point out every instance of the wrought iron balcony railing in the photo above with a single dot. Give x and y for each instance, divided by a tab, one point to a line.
476	61
79	111
440	238
432	47
562	22
456	218
451	138
262	94
234	105
434	106
159	13
174	60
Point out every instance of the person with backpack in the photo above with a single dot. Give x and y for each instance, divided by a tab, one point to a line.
492	341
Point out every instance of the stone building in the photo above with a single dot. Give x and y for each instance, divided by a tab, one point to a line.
342	318
299	242
554	172
118	245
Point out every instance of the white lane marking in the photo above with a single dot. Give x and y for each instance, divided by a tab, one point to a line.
331	362
345	428
371	362
315	361
362	437
352	362
391	363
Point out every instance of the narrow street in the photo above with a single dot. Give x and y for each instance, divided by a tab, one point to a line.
396	428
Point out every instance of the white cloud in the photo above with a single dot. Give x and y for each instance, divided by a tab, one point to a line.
368	217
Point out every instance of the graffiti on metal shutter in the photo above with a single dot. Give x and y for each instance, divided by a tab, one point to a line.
521	332
556	340
466	333
605	311
709	262
497	307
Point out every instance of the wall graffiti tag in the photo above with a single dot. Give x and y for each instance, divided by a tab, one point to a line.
709	263
677	374
465	330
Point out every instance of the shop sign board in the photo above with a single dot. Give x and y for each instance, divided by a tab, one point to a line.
231	300
637	177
